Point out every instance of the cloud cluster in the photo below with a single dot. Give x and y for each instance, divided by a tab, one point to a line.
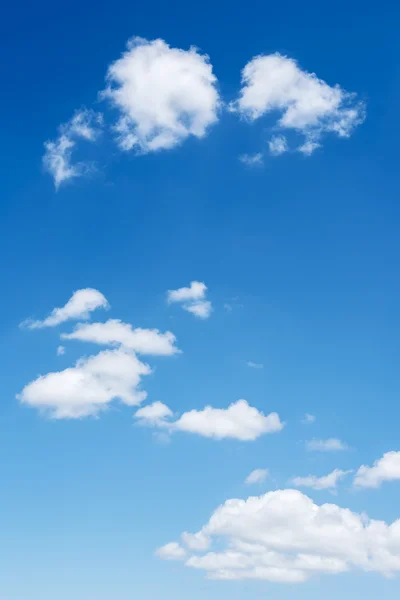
192	299
239	421
306	104
88	387
283	536
163	95
57	160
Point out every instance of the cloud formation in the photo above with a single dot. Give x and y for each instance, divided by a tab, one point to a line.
326	482
192	299
79	306
386	468
329	445
252	160
89	387
307	104
239	421
257	476
57	160
283	536
163	95
116	332
278	145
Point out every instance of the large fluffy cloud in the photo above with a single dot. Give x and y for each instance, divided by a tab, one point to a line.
284	536
88	387
239	421
306	104
115	332
163	95
79	306
386	468
57	160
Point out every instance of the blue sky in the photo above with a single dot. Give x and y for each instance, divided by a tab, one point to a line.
299	255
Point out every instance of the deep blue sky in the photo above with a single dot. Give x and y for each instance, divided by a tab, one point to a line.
306	249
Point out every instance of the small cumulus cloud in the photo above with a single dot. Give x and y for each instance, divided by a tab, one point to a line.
257	476
329	445
192	299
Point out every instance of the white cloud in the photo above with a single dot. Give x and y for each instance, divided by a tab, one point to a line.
308	147
283	536
163	95
257	476
171	551
252	160
79	306
60	350
201	309
85	124
278	145
239	421
195	541
115	332
88	388
386	468
154	414
192	299
329	445
326	482
307	104
254	365
195	291
308	419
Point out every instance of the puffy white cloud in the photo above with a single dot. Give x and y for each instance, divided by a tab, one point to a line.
283	536
163	95
57	160
254	365
154	414
329	445
171	551
257	476
60	350
307	104
195	541
115	332
88	387
278	145
195	291
252	160
239	421
79	306
192	299
308	419
326	482
386	468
